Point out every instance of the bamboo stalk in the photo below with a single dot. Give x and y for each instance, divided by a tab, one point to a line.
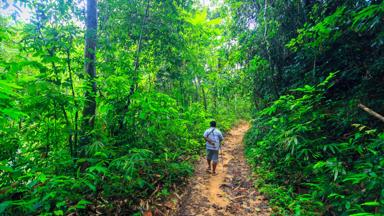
371	112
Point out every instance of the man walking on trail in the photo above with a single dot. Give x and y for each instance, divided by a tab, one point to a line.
213	137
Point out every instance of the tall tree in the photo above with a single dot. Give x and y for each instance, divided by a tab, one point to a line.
89	110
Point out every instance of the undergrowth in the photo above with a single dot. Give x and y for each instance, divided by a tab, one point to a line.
147	162
309	161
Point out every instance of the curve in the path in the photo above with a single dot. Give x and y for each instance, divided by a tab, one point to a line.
231	191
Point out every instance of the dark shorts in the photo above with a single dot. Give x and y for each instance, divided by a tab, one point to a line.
213	155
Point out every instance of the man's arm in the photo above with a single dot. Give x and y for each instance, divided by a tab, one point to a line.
221	138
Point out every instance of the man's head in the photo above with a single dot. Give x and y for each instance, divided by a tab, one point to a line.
212	123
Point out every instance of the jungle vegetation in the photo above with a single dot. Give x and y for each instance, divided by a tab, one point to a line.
103	103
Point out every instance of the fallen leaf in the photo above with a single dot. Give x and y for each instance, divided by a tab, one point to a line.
169	205
147	213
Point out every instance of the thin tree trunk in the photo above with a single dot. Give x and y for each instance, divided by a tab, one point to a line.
304	9
76	134
204	96
134	84
182	100
73	140
70	140
48	136
89	110
57	82
268	45
196	83
137	57
215	98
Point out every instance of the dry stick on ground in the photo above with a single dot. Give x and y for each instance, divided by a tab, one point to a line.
371	112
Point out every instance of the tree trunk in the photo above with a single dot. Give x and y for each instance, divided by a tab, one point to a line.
135	79
268	49
73	141
89	110
134	84
196	83
204	96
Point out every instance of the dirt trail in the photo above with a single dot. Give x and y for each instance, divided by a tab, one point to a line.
228	193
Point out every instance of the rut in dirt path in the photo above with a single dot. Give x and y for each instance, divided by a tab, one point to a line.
231	191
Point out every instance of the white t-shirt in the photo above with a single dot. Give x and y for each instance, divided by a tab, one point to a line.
216	136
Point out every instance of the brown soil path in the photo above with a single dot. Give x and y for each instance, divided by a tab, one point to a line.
228	193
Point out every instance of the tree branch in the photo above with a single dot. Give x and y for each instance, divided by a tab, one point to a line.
371	112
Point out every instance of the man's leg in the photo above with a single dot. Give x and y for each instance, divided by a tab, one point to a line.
209	159
214	165
215	159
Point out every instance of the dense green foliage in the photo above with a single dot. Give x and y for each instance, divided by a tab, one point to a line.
305	167
161	76
80	136
314	150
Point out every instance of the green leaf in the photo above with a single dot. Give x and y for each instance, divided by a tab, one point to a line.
371	203
362	214
4	205
82	204
90	185
98	168
58	212
6	168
